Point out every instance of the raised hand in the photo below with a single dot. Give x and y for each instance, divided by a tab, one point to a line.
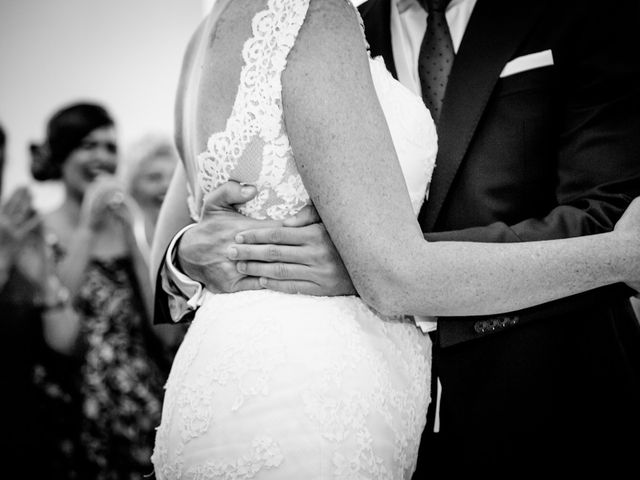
105	198
18	219
18	212
298	257
22	242
203	249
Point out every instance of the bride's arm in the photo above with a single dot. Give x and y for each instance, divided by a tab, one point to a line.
332	114
173	216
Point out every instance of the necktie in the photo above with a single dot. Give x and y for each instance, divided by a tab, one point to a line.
436	56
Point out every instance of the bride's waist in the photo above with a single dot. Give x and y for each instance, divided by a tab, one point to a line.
274	300
294	319
268	303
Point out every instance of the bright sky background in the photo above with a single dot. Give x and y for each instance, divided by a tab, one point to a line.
123	53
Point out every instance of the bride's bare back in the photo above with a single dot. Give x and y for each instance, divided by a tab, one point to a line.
210	74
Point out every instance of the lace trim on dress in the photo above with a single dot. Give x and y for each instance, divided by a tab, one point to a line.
257	111
257	114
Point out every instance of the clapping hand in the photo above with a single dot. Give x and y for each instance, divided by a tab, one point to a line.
105	198
18	214
21	237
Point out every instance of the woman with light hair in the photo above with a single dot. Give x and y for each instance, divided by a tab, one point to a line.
147	169
148	166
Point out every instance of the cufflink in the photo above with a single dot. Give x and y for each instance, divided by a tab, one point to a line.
495	324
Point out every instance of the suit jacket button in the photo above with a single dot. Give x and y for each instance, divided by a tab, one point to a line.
480	326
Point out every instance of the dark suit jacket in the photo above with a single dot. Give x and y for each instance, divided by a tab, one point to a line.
547	153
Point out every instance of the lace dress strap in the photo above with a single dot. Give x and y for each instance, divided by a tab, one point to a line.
257	109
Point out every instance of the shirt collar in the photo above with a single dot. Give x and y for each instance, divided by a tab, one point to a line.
404	5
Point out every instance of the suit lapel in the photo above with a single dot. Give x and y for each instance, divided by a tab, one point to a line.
495	30
376	15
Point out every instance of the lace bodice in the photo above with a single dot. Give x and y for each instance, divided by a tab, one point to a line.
254	147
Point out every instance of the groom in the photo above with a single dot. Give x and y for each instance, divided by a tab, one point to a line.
539	138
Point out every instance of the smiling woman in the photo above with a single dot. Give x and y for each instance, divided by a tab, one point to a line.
105	324
124	53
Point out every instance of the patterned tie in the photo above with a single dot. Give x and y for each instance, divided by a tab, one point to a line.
436	56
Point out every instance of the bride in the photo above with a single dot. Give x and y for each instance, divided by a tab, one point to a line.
282	94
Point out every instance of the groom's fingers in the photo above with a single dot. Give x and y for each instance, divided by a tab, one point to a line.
247	283
270	253
309	234
277	270
306	216
291	286
226	196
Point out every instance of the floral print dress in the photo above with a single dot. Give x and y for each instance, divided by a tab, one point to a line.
121	379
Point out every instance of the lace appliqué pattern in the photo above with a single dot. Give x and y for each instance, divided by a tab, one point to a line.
257	114
257	117
357	382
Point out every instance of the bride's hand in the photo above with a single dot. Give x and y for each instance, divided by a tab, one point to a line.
629	225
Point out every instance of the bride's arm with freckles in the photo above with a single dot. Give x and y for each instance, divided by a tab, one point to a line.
332	113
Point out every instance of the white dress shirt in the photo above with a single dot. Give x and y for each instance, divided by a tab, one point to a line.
408	25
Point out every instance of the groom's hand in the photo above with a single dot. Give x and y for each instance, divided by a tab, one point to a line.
298	257
202	250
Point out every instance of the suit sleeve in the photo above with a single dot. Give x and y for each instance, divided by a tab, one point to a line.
598	141
177	296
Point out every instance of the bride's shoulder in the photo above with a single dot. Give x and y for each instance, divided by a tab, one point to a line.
329	60
331	27
339	14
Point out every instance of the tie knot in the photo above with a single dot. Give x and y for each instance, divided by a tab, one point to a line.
434	5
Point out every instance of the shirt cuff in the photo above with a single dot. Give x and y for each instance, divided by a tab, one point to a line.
426	324
184	292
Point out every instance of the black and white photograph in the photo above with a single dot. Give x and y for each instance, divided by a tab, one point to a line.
320	239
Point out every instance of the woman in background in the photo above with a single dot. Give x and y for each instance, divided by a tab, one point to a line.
29	293
146	173
100	262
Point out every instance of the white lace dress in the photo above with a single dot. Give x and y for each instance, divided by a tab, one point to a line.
274	386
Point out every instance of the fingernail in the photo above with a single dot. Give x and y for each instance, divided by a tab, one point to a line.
246	191
241	266
239	238
232	252
263	282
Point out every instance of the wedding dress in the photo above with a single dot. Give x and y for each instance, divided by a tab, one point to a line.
268	385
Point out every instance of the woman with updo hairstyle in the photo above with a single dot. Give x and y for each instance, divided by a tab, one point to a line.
105	322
